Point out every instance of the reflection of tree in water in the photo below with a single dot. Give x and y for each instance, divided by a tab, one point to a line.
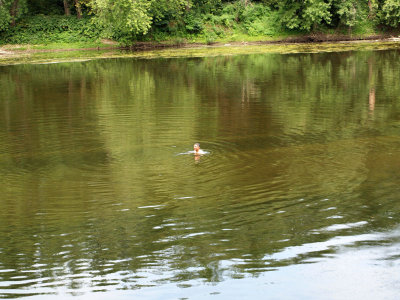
301	119
371	82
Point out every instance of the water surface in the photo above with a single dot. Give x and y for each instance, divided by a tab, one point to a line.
297	197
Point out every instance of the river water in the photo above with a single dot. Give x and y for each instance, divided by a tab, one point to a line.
297	196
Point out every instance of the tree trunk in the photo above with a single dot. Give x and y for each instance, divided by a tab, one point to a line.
13	12
66	8
371	81
371	9
78	9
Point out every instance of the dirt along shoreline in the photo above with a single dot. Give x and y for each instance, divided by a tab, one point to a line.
305	39
14	51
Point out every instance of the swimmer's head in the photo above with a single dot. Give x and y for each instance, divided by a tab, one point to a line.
196	147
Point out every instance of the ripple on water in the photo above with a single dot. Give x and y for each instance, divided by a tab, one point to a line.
346	226
101	201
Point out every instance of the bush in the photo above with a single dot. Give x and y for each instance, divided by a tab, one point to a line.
390	13
5	19
42	29
193	23
266	25
210	37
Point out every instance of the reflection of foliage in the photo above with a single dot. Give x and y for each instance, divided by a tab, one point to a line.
75	155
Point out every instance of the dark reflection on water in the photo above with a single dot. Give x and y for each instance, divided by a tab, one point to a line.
298	195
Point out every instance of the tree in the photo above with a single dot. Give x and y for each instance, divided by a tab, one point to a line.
77	4
168	9
66	8
10	11
347	12
390	12
315	12
5	17
352	12
123	16
304	15
78	9
372	6
13	12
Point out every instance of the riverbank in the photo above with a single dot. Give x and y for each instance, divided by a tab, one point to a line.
27	54
301	39
10	49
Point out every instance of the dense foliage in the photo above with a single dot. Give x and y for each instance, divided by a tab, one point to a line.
49	29
129	20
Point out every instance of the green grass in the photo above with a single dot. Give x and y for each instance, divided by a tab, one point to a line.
57	46
76	45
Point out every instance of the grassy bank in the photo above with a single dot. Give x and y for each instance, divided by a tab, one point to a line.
197	41
255	26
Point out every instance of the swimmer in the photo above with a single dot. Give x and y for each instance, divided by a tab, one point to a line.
196	148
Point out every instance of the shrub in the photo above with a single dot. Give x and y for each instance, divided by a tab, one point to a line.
42	29
210	38
390	13
260	20
193	23
5	19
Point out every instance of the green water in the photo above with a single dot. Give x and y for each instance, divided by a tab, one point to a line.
297	196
